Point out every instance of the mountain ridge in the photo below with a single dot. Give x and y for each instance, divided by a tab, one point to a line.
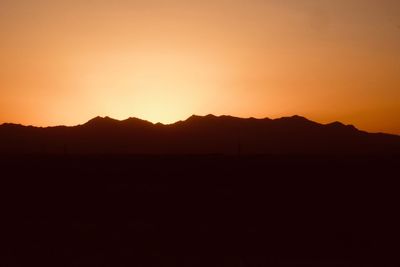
211	117
208	134
107	119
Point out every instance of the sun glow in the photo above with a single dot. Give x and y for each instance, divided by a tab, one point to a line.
65	62
159	87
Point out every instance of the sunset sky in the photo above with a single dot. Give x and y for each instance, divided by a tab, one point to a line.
66	61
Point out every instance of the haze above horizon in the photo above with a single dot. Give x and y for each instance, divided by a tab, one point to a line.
64	62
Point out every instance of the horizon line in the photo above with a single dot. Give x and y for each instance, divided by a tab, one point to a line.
166	124
195	115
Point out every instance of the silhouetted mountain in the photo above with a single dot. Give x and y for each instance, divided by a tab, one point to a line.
197	135
320	195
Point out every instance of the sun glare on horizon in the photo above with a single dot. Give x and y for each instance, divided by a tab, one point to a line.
64	62
159	86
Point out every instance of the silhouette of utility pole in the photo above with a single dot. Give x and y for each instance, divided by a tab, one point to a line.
65	149
239	142
43	149
239	147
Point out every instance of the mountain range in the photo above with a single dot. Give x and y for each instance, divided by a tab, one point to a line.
197	135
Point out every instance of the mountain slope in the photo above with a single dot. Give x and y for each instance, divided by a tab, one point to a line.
197	135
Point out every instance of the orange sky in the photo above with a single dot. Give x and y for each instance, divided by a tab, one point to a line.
66	61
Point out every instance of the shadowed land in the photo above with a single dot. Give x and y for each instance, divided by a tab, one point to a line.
314	207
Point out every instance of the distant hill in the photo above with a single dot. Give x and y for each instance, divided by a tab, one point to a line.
197	135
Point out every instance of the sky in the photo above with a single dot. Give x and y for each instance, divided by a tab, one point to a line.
64	62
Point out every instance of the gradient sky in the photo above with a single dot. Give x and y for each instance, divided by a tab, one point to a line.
66	61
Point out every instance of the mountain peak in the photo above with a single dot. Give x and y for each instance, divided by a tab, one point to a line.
297	120
336	123
195	117
136	121
339	125
200	134
101	121
107	121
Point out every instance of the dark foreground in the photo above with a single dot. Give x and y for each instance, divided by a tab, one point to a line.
200	211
